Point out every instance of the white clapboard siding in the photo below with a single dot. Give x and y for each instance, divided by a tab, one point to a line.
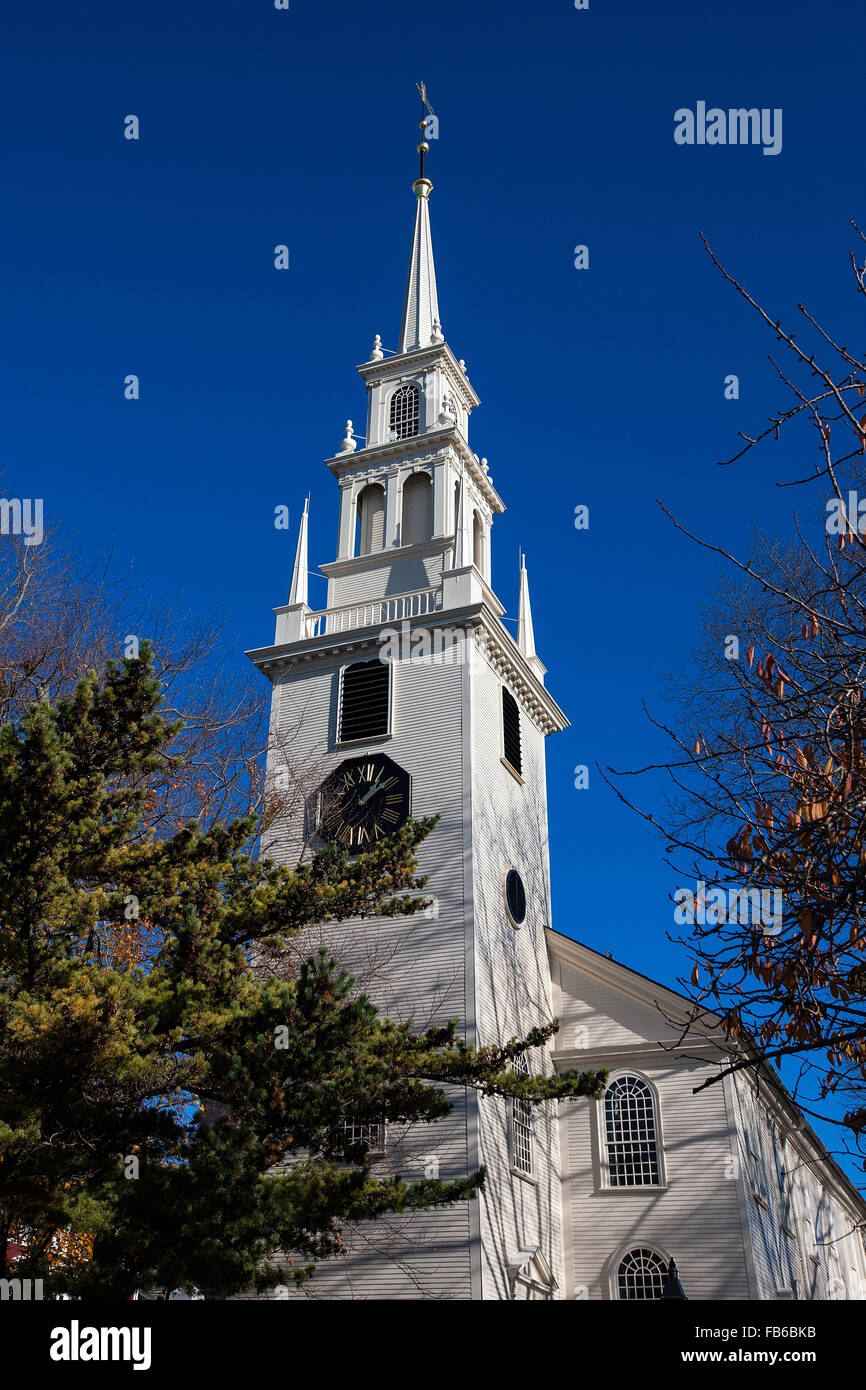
512	980
801	1215
381	581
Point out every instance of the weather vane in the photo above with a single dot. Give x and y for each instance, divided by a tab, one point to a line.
430	120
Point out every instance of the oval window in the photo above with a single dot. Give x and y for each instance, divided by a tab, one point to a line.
515	897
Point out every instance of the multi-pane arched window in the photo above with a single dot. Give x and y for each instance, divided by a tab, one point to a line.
631	1134
641	1274
371	519
417	522
404	412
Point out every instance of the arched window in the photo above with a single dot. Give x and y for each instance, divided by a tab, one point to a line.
511	731
371	519
478	542
365	701
641	1274
404	412
630	1132
417	509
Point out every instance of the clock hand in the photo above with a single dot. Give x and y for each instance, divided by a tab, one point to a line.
376	787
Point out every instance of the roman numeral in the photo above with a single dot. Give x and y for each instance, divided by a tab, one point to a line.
394	797
390	816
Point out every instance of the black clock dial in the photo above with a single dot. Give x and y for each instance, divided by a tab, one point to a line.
363	801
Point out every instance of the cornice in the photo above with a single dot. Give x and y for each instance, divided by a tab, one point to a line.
359	564
506	657
497	645
405	363
587	1059
419	449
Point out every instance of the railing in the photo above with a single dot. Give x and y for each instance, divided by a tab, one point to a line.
380	610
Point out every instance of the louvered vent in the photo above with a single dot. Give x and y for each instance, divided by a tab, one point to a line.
511	730
365	706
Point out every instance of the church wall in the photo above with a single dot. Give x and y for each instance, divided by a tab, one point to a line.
800	1225
412	967
695	1219
512	980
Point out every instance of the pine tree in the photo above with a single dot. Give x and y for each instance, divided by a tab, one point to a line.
170	1114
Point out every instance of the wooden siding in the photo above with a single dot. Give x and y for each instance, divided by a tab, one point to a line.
512	981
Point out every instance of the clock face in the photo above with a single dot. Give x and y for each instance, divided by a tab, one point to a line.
364	800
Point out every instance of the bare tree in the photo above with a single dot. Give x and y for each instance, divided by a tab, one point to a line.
765	816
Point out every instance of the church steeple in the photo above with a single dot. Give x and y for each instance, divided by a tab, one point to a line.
420	324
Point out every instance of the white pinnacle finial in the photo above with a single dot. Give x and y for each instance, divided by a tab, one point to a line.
350	443
298	591
377	354
525	634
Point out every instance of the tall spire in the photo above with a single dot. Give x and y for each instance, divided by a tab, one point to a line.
420	324
298	591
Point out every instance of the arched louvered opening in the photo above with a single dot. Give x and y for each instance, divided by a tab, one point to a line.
405	410
417	509
641	1274
631	1133
365	701
478	556
371	519
511	731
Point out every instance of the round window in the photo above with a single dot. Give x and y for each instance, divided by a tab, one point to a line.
515	897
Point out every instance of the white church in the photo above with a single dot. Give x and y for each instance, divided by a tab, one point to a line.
583	1199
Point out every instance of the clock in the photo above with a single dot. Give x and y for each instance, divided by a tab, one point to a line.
363	801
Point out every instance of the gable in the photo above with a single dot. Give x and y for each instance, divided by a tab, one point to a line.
603	1005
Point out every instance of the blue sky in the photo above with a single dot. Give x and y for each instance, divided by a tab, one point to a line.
602	387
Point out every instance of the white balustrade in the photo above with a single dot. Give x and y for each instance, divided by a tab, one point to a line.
381	610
